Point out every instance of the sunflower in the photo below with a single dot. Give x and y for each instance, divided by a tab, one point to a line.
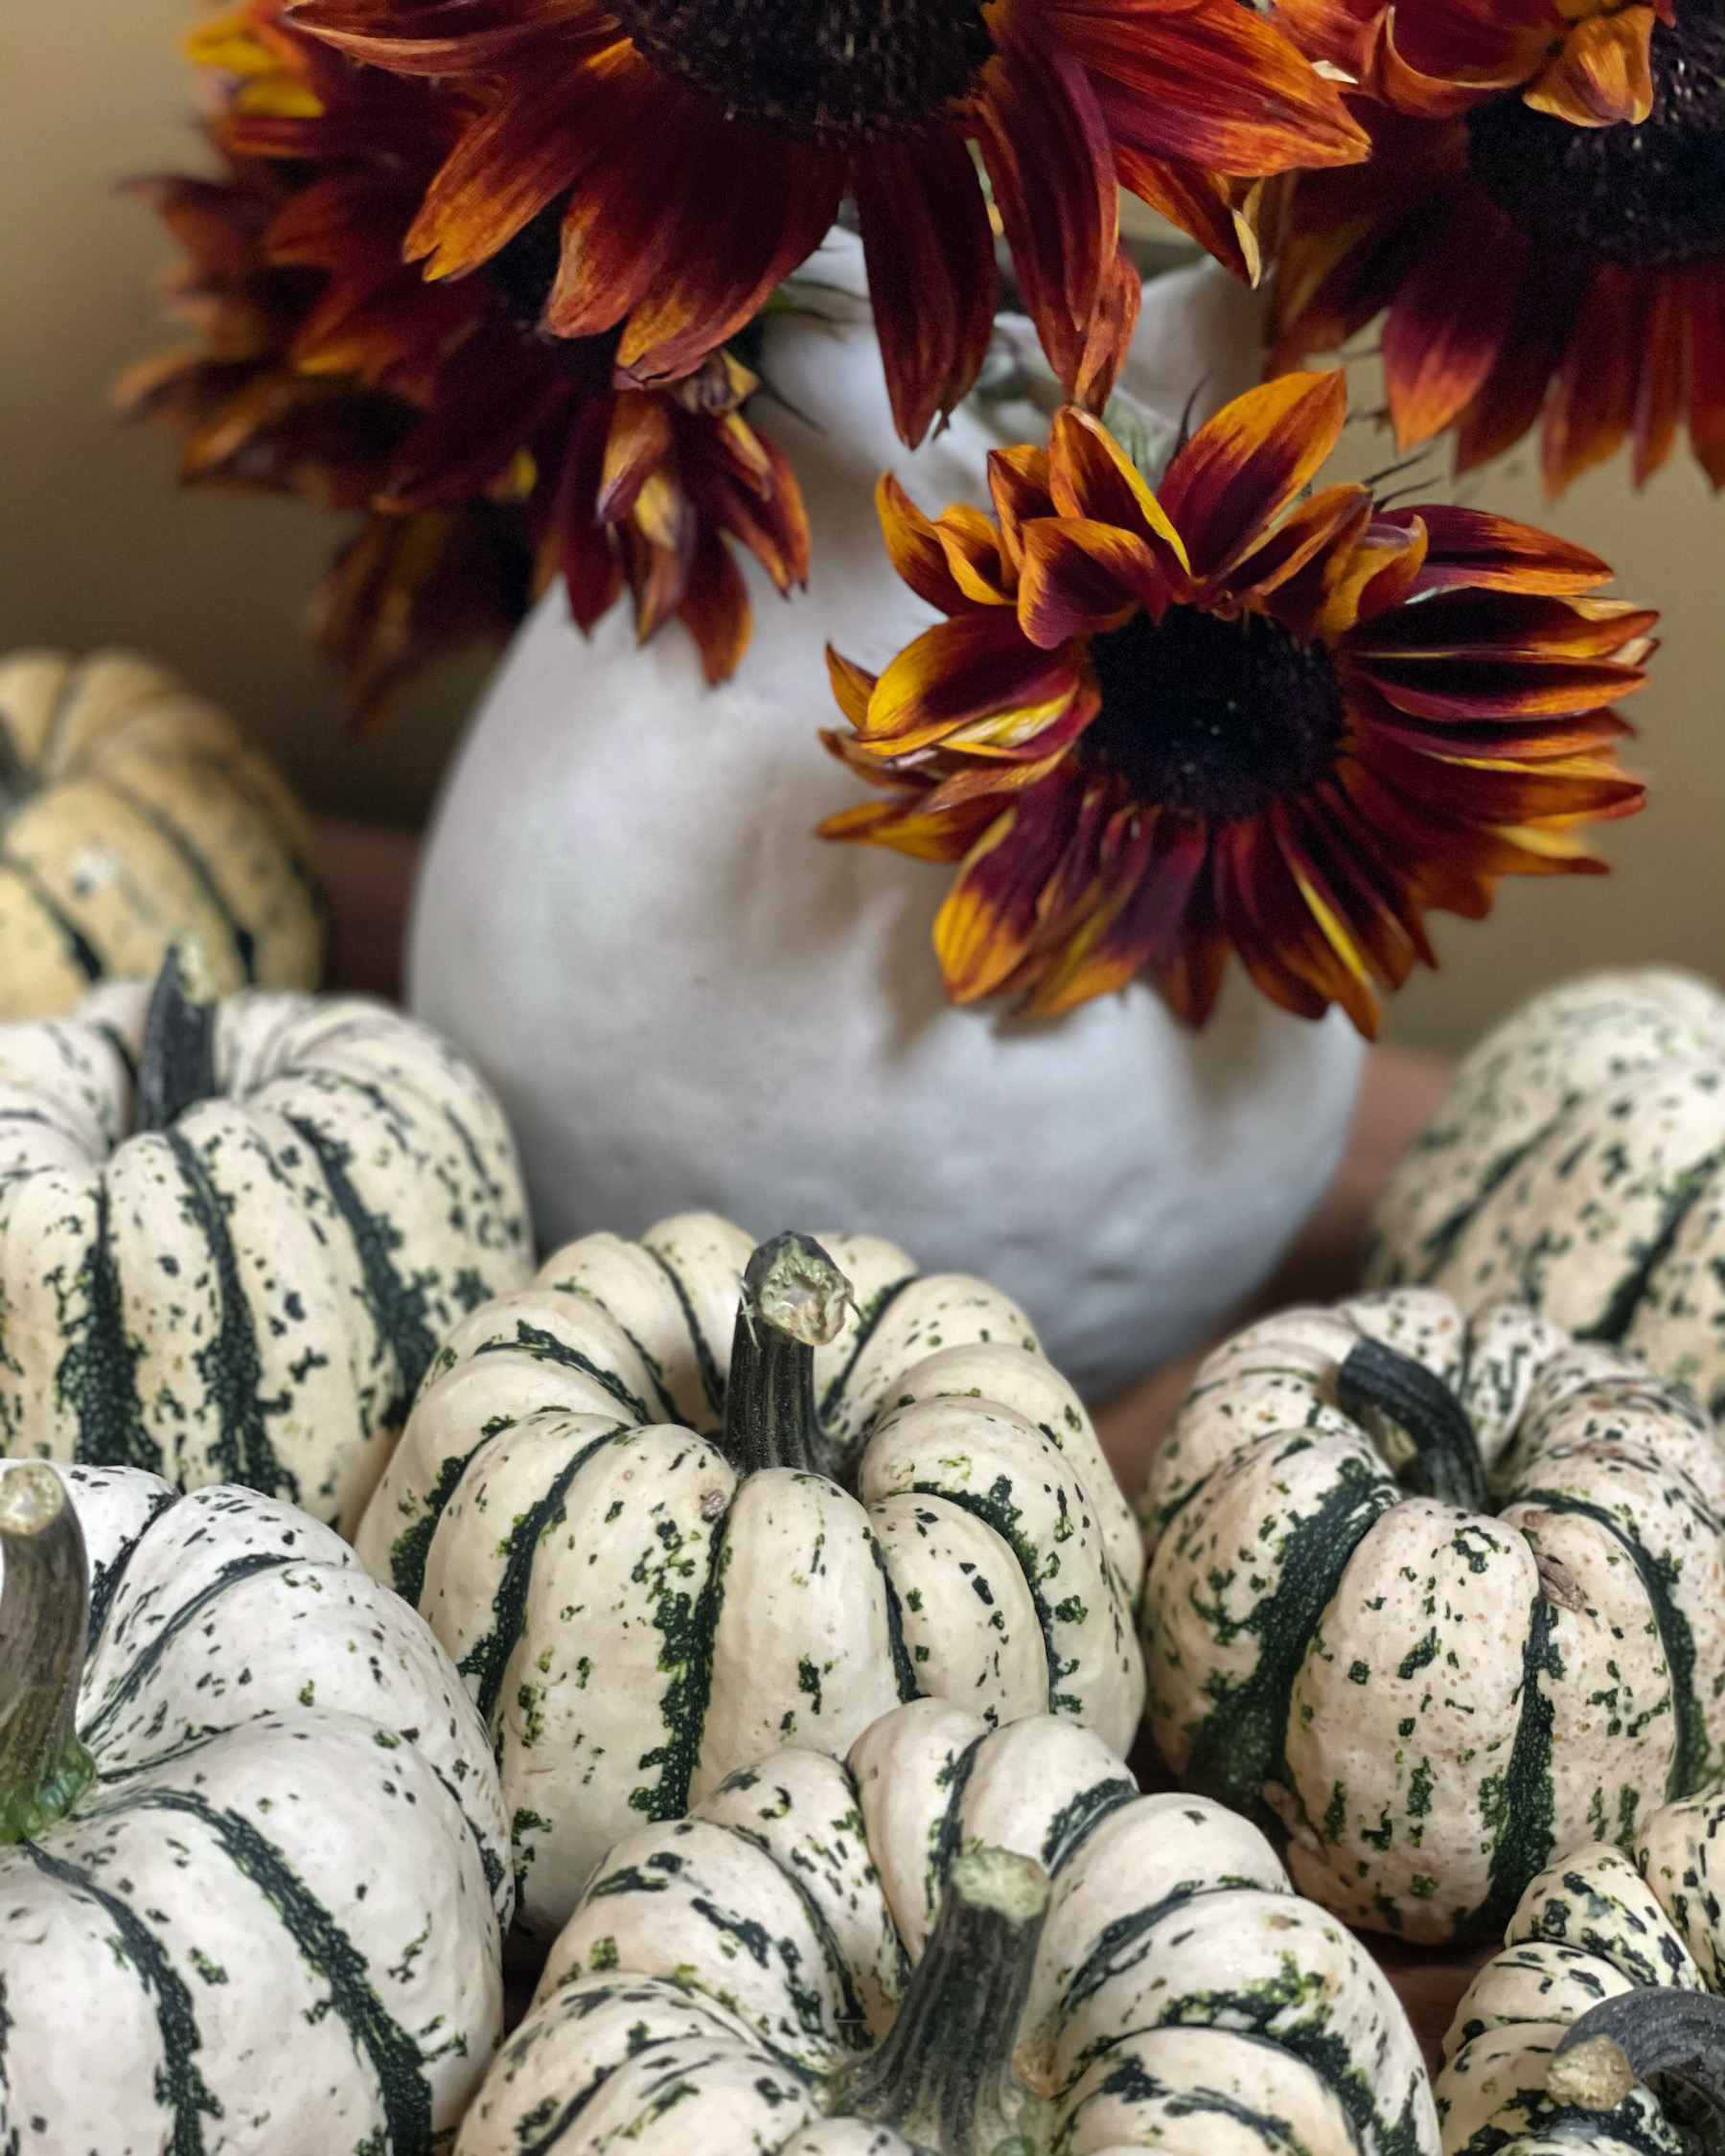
1543	216
1157	726
693	152
489	457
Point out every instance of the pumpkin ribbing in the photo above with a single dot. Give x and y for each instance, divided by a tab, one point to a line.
44	1610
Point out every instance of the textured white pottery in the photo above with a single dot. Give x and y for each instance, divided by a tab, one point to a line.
686	1000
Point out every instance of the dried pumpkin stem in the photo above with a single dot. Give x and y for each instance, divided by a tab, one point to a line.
44	1611
793	1302
1677	2036
177	1065
1373	1378
943	2077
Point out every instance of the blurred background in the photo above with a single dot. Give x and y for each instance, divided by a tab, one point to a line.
98	544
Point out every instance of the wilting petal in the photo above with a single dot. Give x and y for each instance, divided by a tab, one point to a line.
1017	484
908	827
852	685
1090	477
637	445
980	667
1602	74
1663	390
714	607
1244	468
914	549
930	256
1473	547
973	550
1198	201
1080	577
1510	398
1450	319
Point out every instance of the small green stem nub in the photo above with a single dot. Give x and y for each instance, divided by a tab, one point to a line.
1373	1377
793	1302
943	2077
44	1613
1677	2037
176	1067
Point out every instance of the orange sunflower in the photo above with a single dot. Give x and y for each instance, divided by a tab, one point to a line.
693	152
1158	726
1543	216
489	457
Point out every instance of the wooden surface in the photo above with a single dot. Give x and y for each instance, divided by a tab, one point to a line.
370	870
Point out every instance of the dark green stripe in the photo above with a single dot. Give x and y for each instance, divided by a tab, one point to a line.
1632	1291
949	1838
712	1383
82	952
232	772
327	1950
686	1625
179	2087
229	1365
547	1347
98	1375
488	1658
904	1669
1078	1819
867	1324
852	2020
186	1614
1130	2081
1657	1574
1124	1943
159	819
1435	1248
397	1305
105	1579
1518	1805
409	1551
648	1361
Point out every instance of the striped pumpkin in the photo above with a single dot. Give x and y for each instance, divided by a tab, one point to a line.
134	816
677	1505
1577	1163
962	1941
232	1234
1432	1601
1612	1977
252	1849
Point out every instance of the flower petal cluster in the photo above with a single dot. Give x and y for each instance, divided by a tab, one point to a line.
1230	713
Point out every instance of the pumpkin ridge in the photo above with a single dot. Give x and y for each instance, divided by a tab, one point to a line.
98	1372
1099	1964
1523	1838
239	771
683	1709
325	1947
179	2085
903	1670
712	1381
78	947
1077	1820
1436	1247
997	1512
245	943
867	1324
547	1347
1633	1290
105	1579
412	1546
650	1361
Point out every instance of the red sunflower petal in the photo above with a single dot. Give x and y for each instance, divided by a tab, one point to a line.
1090	477
1242	469
1018	485
1148	876
914	549
1591	407
852	685
976	672
636	444
1198	201
1601	74
908	827
1304	534
1703	291
575	541
1450	319
1484	624
1472	546
971	546
986	922
456	36
1509	401
1081	577
1663	388
714	607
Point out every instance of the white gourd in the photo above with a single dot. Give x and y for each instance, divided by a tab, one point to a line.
233	1234
253	1855
661	1534
961	1938
1432	1599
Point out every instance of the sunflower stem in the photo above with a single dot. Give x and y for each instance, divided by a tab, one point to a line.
44	1614
1678	2037
943	2077
177	1067
1378	1379
794	1300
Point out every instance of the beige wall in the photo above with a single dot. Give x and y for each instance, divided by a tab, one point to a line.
97	545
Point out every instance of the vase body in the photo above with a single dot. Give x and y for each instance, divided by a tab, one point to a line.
687	999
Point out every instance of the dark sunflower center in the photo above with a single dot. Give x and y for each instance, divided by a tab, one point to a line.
1214	719
833	72
1650	195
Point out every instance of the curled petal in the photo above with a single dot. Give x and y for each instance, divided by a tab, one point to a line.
1473	547
637	443
1244	468
978	671
1602	74
1018	485
714	607
1090	477
913	546
852	685
1080	577
973	550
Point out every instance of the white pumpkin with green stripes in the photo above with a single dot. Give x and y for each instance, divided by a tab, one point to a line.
1577	1163
134	816
232	1234
678	1503
964	1940
253	1855
1601	2025
1431	1599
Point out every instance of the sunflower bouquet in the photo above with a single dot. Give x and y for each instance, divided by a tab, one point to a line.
495	274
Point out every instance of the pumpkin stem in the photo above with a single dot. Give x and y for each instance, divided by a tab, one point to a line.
793	1302
943	2077
1677	2036
177	1066
44	1611
1449	1468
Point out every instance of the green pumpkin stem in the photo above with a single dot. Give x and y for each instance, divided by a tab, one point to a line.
1678	2037
1449	1468
943	2077
793	1302
177	1066
44	1613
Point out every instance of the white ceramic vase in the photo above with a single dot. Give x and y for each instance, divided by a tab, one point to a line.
687	999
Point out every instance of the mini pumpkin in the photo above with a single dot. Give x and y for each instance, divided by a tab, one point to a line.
1601	2025
133	818
964	1940
252	1842
679	1502
233	1233
1434	1598
1577	1163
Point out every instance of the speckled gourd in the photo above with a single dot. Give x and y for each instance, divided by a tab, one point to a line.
134	816
676	1505
252	1849
1601	2025
233	1233
1577	1163
960	1939
1433	1598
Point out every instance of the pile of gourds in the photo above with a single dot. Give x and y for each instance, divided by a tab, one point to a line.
745	1639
